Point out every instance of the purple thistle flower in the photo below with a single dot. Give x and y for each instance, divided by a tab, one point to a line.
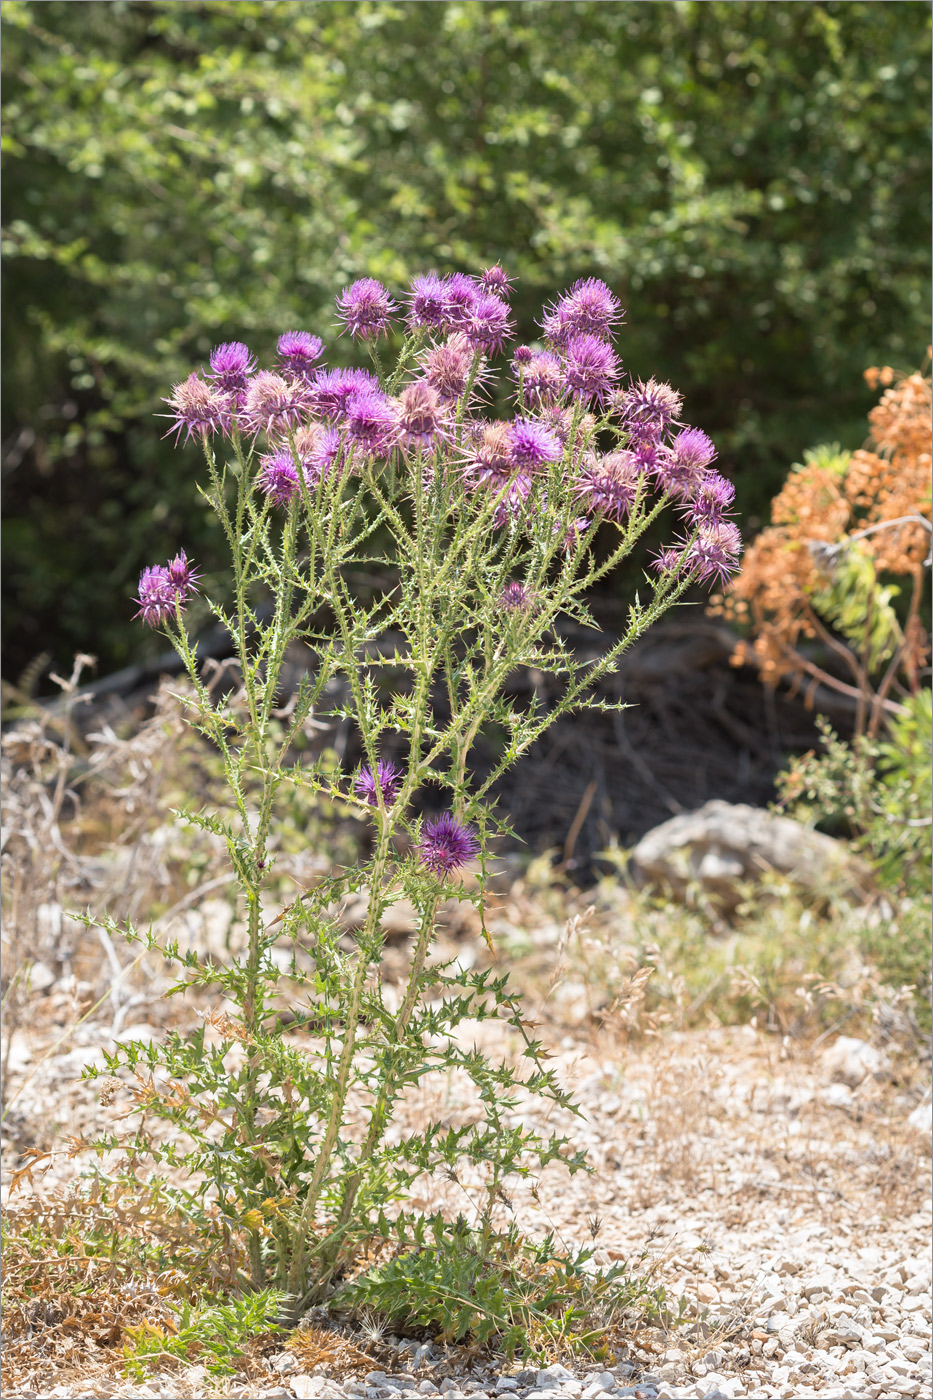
714	554
388	778
332	389
182	576
589	308
427	302
710	501
490	461
523	355
680	469
515	597
669	560
445	844
198	408
421	415
372	422
487	323
460	294
540	376
366	308
609	485
575	530
273	403
278	478
590	367
447	366
298	351
532	445
231	366
496	280
647	410
326	454
156	597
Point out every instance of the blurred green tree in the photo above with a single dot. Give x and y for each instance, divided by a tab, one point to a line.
752	177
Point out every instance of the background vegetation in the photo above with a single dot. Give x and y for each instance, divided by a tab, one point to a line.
752	178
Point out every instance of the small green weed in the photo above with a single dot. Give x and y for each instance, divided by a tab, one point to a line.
214	1335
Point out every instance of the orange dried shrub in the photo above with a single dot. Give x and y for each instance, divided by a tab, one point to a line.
848	534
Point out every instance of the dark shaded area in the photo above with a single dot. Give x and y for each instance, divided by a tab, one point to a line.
752	178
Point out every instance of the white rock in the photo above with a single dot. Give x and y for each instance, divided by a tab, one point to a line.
851	1060
921	1119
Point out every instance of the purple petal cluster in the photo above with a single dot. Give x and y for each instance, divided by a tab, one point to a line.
422	418
494	279
591	367
164	588
711	500
445	844
532	445
447	367
609	485
515	597
588	308
365	308
273	403
332	389
387	779
298	352
231	366
372	422
715	551
539	375
647	409
198	408
681	468
278	478
486	325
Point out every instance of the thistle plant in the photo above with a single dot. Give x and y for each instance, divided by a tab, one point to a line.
279	1145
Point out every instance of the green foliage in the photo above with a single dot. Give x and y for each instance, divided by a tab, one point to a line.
214	1335
880	791
752	177
851	597
499	1289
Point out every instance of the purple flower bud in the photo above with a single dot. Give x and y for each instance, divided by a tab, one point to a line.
532	445
445	844
231	366
590	367
332	389
273	403
328	453
156	596
427	302
609	485
515	597
182	576
574	533
447	366
523	355
278	478
647	410
298	351
421	415
494	279
198	408
372	422
366	308
487	324
389	780
669	560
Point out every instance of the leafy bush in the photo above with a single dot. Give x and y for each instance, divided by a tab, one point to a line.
752	177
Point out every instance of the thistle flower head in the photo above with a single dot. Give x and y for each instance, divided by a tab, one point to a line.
668	560
490	460
609	485
445	844
680	468
278	478
421	415
298	351
332	389
460	294
427	302
156	596
486	325
231	366
574	533
372	422
540	376
387	779
182	575
494	279
198	408
326	454
711	499
273	403
588	308
516	597
532	445
447	366
714	554
648	409
590	367
365	308
522	355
